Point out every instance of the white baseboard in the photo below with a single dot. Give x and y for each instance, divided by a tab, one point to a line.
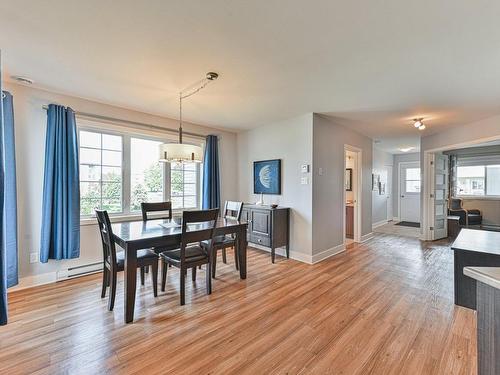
35	280
379	224
395	218
327	253
367	237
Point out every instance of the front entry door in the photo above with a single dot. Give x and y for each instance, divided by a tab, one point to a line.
409	199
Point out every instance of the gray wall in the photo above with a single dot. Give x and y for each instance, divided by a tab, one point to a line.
290	141
400	158
329	139
30	124
382	163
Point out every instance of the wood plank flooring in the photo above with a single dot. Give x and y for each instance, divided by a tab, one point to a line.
383	307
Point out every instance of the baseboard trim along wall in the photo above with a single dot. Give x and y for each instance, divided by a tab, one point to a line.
327	253
304	258
35	280
379	224
367	237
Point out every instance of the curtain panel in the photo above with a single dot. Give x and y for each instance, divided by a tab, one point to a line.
8	204
211	179
60	235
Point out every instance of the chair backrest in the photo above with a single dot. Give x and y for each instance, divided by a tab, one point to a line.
455	204
233	210
206	219
108	244
156	207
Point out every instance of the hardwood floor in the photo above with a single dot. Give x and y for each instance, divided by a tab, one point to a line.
383	307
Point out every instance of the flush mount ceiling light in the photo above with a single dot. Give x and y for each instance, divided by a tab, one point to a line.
419	123
181	152
406	149
23	80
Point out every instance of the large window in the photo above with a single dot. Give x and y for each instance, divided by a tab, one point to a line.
119	171
478	180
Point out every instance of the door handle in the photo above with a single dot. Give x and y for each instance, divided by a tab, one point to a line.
402	196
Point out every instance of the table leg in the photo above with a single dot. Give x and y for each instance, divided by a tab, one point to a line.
242	251
130	277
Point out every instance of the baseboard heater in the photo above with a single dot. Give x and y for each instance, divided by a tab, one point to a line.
78	271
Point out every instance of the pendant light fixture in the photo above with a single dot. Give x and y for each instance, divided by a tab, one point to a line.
182	152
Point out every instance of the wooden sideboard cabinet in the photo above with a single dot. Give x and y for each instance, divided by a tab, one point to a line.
269	227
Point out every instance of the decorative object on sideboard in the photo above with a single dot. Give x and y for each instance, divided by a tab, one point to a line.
274	205
267	177
260	202
182	152
348	179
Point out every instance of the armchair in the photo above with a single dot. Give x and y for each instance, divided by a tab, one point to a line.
467	217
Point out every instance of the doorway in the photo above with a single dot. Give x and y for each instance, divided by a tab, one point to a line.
352	194
409	192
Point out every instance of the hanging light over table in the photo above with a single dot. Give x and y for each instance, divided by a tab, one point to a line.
182	152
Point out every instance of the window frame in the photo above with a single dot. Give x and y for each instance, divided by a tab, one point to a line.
406	181
127	136
485	195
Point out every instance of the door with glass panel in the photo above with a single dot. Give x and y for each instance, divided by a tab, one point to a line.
439	197
409	197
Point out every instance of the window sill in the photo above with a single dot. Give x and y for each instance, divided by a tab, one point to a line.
479	197
92	220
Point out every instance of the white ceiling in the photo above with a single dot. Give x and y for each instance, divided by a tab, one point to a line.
373	65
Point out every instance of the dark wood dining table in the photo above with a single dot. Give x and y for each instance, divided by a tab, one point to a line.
136	235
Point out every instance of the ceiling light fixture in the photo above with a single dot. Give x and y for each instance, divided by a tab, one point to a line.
417	122
421	127
406	149
181	152
23	80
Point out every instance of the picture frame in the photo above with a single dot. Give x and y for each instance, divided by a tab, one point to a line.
267	177
348	179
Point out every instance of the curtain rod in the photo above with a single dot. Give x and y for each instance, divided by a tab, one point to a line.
142	124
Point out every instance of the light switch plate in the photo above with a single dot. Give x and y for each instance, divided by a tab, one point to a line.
305	168
320	171
33	257
304	181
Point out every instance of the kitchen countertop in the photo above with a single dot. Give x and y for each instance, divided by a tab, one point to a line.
486	275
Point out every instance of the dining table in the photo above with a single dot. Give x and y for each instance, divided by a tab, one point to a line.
137	235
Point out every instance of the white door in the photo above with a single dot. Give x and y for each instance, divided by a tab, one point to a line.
409	199
388	193
439	197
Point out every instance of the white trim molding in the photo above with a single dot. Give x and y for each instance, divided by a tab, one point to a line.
316	258
379	223
367	237
301	257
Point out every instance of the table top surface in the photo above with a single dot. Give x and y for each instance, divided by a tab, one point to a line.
480	241
139	230
486	275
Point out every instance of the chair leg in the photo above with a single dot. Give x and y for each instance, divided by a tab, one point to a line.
224	256
193	273
183	286
154	278
214	262
112	289
143	271
105	281
208	279
164	268
236	261
146	269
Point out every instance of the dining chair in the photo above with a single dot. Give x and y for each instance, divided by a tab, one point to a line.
232	210
197	226
114	262
165	207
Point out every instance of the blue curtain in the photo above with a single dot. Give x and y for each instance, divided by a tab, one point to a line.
60	237
8	204
211	181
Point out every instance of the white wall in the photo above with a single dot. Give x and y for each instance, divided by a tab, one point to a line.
382	162
290	141
30	125
329	139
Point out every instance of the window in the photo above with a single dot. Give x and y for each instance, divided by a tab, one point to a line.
184	185
146	173
100	172
412	180
478	180
119	171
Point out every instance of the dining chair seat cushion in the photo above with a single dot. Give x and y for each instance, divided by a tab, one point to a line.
219	241
141	254
160	249
193	254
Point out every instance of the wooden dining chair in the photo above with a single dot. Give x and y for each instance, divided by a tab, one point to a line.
114	262
191	255
165	207
232	210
